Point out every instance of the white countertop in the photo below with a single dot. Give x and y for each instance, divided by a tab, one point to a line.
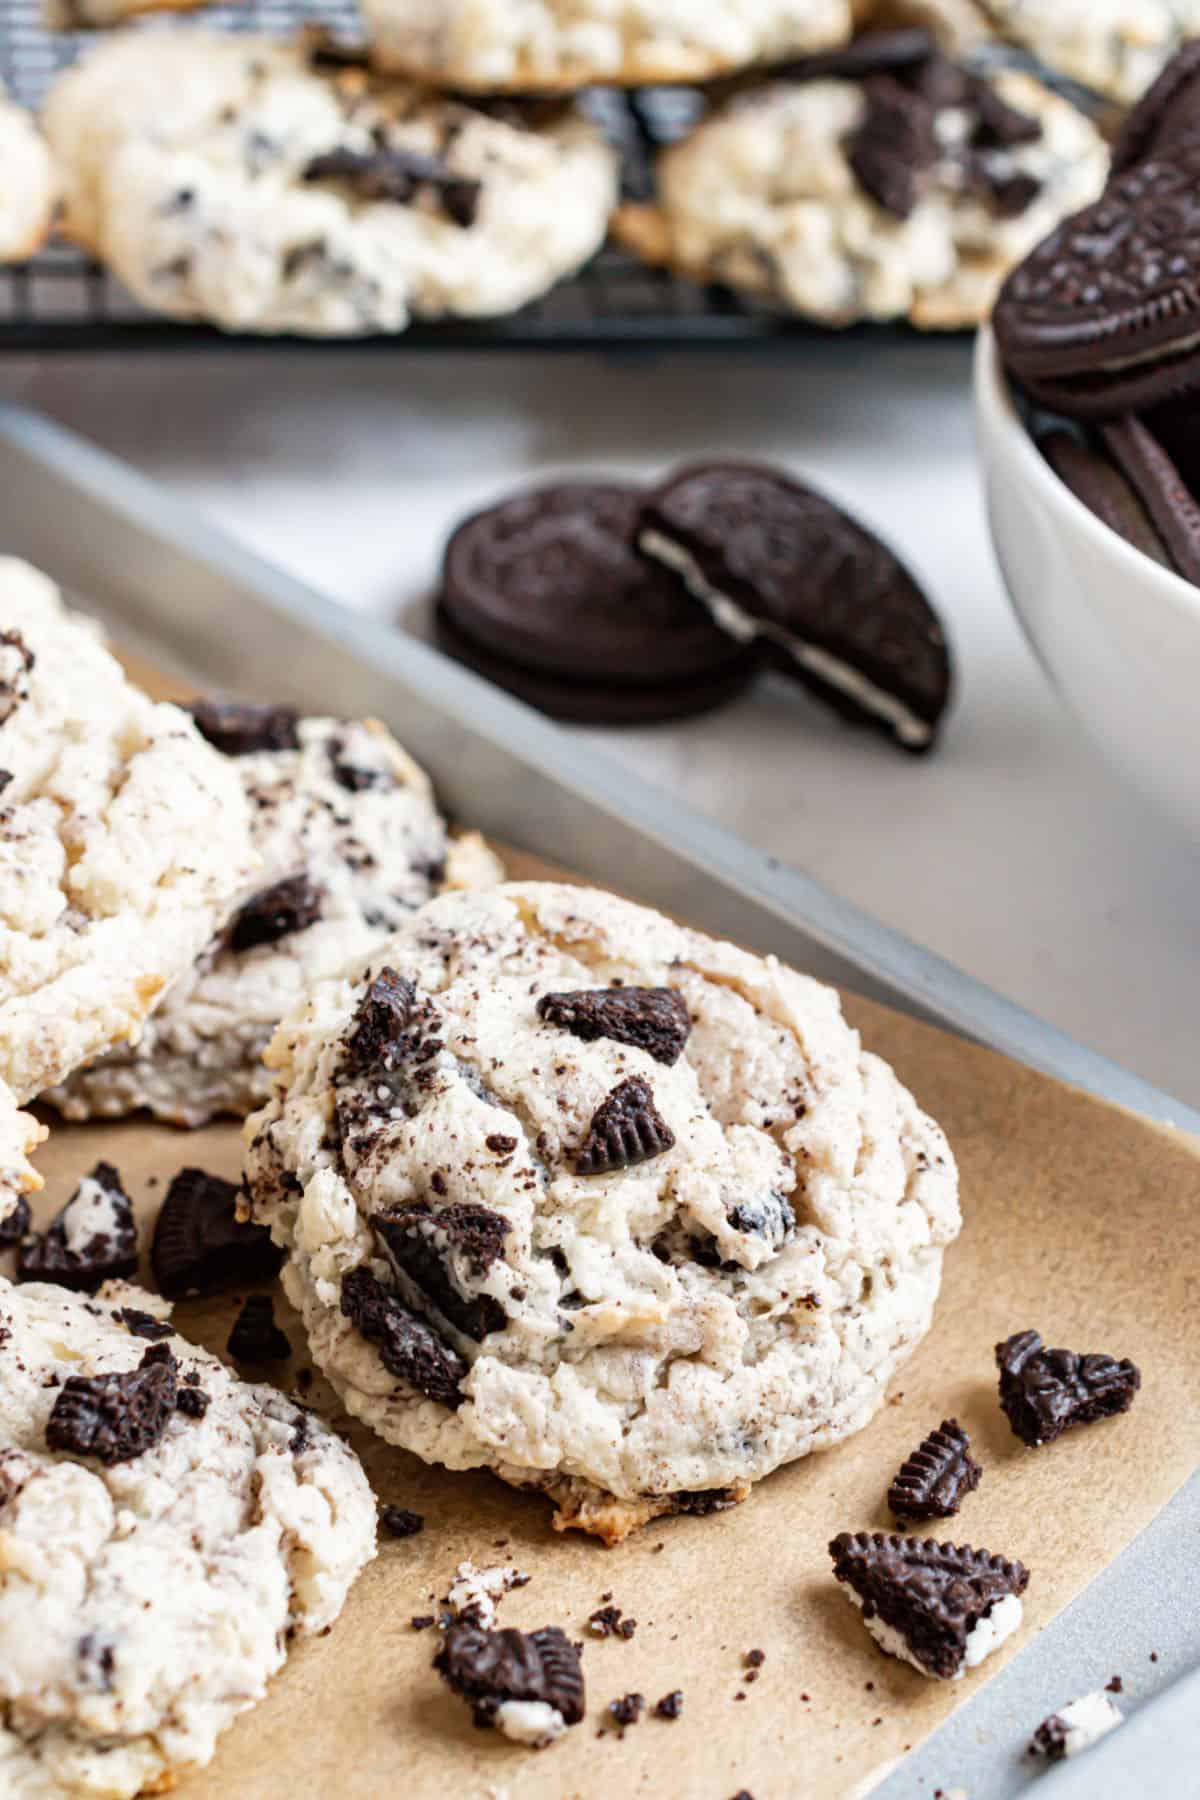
1011	851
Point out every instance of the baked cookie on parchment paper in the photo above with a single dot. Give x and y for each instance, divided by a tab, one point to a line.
493	46
623	1213
124	839
1117	47
272	187
167	1531
907	189
28	186
351	841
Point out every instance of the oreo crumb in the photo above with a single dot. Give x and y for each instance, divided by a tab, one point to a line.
670	1706
627	1710
399	1522
255	1337
422	1621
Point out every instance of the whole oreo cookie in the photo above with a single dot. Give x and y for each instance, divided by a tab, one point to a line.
780	567
599	702
1104	317
551	581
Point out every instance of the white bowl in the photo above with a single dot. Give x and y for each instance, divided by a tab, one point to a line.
1118	635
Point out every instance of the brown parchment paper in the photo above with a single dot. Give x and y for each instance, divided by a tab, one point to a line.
1080	1219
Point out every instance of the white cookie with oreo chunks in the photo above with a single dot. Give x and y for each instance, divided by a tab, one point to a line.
167	1532
350	841
619	1211
265	186
907	194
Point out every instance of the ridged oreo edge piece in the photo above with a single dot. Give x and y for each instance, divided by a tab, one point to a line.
1046	1392
445	1254
550	580
1168	112
490	1668
780	565
92	1240
1103	489
1161	489
118	1417
626	1129
934	1481
597	702
925	1596
200	1245
408	1347
1103	317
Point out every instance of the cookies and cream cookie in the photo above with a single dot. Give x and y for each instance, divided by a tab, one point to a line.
493	46
28	188
167	1530
350	841
250	183
621	1212
124	839
909	192
1117	47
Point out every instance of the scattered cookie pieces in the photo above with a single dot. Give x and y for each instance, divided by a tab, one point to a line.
475	1592
941	1607
1046	1392
626	1711
399	1522
528	1685
255	1337
92	1240
609	1621
1076	1727
934	1481
199	1243
670	1707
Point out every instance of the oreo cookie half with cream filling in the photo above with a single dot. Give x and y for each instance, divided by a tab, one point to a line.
943	1608
779	566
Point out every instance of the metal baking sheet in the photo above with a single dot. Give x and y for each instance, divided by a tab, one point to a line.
194	600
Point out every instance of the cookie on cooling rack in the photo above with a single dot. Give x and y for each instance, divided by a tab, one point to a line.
269	187
904	187
623	1213
492	46
168	1532
1117	47
28	188
351	841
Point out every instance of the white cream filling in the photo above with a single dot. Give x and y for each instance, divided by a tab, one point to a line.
1087	1720
996	1626
533	1722
90	1213
743	626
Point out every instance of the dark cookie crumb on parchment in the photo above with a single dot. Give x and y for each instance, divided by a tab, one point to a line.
399	1522
934	1481
627	1710
608	1621
670	1706
199	1243
1046	1392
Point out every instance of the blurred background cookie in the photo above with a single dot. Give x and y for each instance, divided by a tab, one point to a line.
28	188
1116	47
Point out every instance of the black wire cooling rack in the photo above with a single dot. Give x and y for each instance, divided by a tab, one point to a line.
62	300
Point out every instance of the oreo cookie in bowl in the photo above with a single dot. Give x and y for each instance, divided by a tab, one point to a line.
1087	399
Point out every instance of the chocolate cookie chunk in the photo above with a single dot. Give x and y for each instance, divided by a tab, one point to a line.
1167	114
92	1240
551	581
237	728
390	172
492	1668
441	1251
276	912
115	1417
15	1223
933	1604
934	1481
626	1129
652	1019
778	565
1161	489
597	702
408	1347
255	1337
1045	1392
1104	490
1103	318
199	1244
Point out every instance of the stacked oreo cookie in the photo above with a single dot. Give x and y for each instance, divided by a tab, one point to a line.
608	604
1099	327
